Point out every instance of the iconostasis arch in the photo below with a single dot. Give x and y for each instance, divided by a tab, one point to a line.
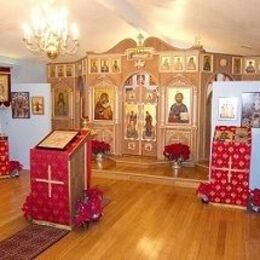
103	109
179	113
208	108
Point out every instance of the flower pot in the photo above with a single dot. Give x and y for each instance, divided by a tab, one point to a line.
99	157
176	165
99	160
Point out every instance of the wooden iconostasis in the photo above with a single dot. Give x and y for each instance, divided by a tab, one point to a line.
140	102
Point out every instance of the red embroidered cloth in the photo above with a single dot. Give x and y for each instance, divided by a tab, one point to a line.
229	169
49	171
4	156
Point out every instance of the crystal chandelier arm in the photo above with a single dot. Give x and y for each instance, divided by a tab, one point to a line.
49	32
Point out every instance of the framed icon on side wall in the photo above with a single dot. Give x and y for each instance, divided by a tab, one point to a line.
4	89
37	105
227	108
251	109
20	105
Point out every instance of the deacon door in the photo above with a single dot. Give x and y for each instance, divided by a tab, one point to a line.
140	116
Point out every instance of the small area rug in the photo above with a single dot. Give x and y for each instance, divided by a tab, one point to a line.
30	242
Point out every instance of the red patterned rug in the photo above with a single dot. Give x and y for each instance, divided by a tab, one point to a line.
30	242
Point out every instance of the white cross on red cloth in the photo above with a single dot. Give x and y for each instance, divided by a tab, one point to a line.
230	170
49	181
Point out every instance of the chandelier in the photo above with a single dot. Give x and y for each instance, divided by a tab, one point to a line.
49	32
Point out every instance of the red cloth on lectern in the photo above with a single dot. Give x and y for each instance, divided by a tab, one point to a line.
4	156
229	171
55	208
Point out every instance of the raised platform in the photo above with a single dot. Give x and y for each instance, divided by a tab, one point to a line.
137	161
149	170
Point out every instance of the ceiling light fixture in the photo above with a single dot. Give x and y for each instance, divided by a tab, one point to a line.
49	32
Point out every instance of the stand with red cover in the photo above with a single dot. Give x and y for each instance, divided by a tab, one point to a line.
58	178
229	170
4	157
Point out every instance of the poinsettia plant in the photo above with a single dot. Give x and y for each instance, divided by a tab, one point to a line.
14	168
100	147
177	152
89	207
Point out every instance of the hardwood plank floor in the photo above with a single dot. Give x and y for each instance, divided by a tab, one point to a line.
145	221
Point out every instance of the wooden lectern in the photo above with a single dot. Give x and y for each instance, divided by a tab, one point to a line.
58	177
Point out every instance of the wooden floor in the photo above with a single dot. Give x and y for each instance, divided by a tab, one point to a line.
145	221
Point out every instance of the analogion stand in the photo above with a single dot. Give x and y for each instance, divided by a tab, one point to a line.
58	178
4	157
229	168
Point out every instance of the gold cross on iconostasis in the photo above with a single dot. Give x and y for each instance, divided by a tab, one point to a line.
49	181
140	38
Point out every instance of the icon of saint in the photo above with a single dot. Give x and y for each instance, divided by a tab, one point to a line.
178	111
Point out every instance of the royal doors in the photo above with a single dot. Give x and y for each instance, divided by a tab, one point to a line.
140	115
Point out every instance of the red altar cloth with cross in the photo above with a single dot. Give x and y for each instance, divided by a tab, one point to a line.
58	178
229	169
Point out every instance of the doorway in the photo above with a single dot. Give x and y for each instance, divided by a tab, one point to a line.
140	101
216	77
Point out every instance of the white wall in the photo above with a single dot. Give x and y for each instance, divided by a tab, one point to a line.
235	89
24	134
25	71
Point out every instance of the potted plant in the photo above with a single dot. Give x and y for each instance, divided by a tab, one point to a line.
177	153
99	148
14	168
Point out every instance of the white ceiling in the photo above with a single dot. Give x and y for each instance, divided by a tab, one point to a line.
229	26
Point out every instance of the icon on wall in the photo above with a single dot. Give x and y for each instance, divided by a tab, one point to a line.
165	63
250	66
20	105
178	63
38	105
207	63
227	108
191	63
236	65
103	103
115	65
4	89
61	103
104	66
251	109
69	70
178	105
94	65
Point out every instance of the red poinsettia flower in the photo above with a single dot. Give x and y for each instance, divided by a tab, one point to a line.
99	147
89	208
15	166
177	152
